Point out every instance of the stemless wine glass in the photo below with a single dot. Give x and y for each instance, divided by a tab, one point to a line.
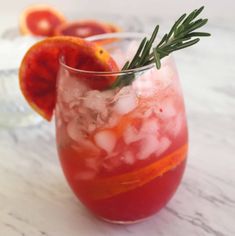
122	150
14	110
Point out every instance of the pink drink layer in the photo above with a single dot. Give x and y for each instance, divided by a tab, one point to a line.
123	151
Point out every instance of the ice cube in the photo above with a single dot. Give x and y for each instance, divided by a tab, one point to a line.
67	113
91	127
104	114
89	145
108	94
150	126
128	158
71	95
174	125
143	85
166	109
131	135
113	120
75	130
112	161
165	73
126	101
148	113
149	145
178	124
72	90
106	140
94	101
84	112
164	144
75	103
153	81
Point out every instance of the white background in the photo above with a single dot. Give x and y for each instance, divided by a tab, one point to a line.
216	10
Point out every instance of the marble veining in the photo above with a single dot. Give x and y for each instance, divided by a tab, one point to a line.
35	199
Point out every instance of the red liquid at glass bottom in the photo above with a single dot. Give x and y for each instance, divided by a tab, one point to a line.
129	194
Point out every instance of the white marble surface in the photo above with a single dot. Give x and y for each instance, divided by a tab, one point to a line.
35	199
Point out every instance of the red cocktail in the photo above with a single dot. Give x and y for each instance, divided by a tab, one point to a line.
123	150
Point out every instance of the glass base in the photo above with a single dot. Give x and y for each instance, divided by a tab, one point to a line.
119	222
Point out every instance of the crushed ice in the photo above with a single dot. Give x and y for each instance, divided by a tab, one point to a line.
149	145
125	100
106	140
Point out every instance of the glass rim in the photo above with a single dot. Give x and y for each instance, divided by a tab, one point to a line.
120	35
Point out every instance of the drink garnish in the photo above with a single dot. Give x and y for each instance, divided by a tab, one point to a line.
181	35
40	65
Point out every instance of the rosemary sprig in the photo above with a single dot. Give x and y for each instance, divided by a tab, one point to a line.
181	35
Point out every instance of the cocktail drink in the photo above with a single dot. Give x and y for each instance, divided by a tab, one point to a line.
121	127
123	150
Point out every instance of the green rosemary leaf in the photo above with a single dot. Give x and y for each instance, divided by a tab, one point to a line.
162	40
154	35
197	25
180	30
139	50
145	53
198	12
126	65
193	15
163	53
190	17
159	44
177	40
199	34
174	27
119	79
148	46
157	58
187	44
181	35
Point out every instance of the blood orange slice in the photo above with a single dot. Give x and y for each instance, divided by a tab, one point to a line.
82	29
103	188
40	20
39	67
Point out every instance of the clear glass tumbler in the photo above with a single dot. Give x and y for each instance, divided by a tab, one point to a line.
123	150
14	110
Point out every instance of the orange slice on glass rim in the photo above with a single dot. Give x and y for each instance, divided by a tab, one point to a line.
40	20
39	67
